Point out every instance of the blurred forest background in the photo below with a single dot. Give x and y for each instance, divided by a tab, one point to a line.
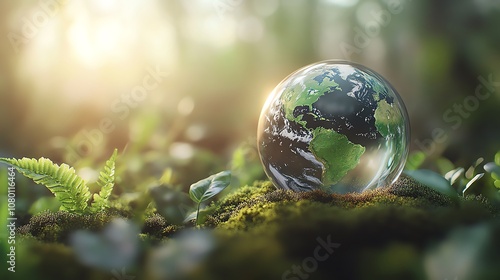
180	84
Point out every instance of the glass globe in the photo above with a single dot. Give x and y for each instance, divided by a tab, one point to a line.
335	126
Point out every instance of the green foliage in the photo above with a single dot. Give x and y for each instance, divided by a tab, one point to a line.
415	160
43	204
453	182
453	175
462	179
106	182
494	169
207	188
474	179
444	165
69	188
257	224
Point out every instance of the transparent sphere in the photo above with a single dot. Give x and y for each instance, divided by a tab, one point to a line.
335	126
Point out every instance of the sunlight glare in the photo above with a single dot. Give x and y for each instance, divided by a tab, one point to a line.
93	51
106	5
342	3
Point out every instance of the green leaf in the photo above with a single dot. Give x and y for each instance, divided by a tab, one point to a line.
477	177
167	177
495	176
497	184
492	168
44	203
472	169
497	158
106	181
444	165
433	180
69	188
209	187
453	175
415	160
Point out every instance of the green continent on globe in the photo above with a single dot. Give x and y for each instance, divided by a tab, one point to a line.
377	88
305	94
387	118
336	152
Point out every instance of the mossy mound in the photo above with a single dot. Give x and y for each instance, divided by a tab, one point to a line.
250	202
382	234
57	226
264	233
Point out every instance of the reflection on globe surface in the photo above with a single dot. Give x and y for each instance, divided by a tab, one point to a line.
335	126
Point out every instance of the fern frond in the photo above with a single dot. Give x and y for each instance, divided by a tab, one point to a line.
106	181
69	188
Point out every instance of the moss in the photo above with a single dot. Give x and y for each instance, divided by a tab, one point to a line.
244	204
261	206
157	227
222	210
57	226
383	234
154	226
262	232
409	188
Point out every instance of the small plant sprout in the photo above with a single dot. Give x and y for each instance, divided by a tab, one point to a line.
453	175
68	188
207	188
455	181
477	177
462	179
